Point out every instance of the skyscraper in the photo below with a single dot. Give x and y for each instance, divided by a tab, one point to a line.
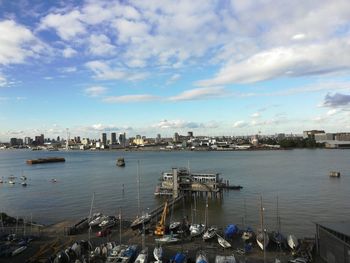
113	138
104	138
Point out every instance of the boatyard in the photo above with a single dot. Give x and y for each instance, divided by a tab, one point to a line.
53	244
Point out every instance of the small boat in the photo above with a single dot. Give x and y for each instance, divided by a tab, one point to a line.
18	250
262	238
127	255
24	184
158	253
139	221
334	174
277	238
23	178
179	258
197	229
292	242
247	234
225	259
143	256
53	180
230	231
209	233
174	225
11	182
121	162
201	257
1	180
107	222
167	239
223	242
98	220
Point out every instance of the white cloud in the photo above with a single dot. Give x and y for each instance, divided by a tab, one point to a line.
200	93
3	81
130	98
100	45
298	37
67	25
69	52
102	70
293	61
181	124
240	124
95	91
68	69
256	115
332	112
17	43
173	79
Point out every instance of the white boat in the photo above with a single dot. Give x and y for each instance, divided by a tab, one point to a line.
197	229
143	256
247	235
223	242
11	182
167	239
140	220
174	225
107	222
225	259
262	238
24	184
18	250
158	253
201	257
292	242
98	220
23	178
209	233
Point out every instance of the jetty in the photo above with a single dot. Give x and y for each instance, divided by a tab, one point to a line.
46	160
183	182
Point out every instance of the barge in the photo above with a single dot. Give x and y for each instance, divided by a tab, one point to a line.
46	160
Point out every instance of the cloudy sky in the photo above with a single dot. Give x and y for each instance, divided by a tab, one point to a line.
147	67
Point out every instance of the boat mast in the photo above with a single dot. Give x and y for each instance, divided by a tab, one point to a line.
138	188
120	225
262	226
206	213
278	219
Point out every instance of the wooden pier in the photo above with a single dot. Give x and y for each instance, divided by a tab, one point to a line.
157	211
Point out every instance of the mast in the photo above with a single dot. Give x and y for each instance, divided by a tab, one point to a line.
278	219
262	226
206	213
138	188
120	225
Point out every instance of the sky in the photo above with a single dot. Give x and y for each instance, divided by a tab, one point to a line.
224	67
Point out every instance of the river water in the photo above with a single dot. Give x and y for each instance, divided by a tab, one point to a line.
299	178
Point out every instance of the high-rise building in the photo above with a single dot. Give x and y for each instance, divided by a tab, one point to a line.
28	141
113	138
104	138
176	137
39	140
190	134
122	139
13	141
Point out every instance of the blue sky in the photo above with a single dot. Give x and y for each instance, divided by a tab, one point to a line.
148	67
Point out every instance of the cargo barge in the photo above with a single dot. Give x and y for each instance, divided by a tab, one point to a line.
46	160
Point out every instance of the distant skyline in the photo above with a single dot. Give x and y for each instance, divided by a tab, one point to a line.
148	67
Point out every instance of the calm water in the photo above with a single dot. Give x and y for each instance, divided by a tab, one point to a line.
298	177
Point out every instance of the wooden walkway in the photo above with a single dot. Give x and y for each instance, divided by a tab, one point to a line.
157	211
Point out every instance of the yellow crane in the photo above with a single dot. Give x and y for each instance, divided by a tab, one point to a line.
160	228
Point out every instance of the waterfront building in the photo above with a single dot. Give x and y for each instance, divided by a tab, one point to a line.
104	138
335	144
190	134
333	242
13	142
39	140
320	137
28	141
158	139
122	140
311	134
176	137
343	136
113	138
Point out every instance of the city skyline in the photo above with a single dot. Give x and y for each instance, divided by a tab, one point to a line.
215	68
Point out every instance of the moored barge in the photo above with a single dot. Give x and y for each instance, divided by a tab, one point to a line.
46	160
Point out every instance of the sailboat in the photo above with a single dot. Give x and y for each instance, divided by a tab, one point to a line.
292	242
223	242
140	221
225	259
158	252
210	233
201	257
196	229
179	258
248	231
143	256
262	238
276	236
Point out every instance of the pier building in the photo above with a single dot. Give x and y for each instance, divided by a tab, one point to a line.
182	181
